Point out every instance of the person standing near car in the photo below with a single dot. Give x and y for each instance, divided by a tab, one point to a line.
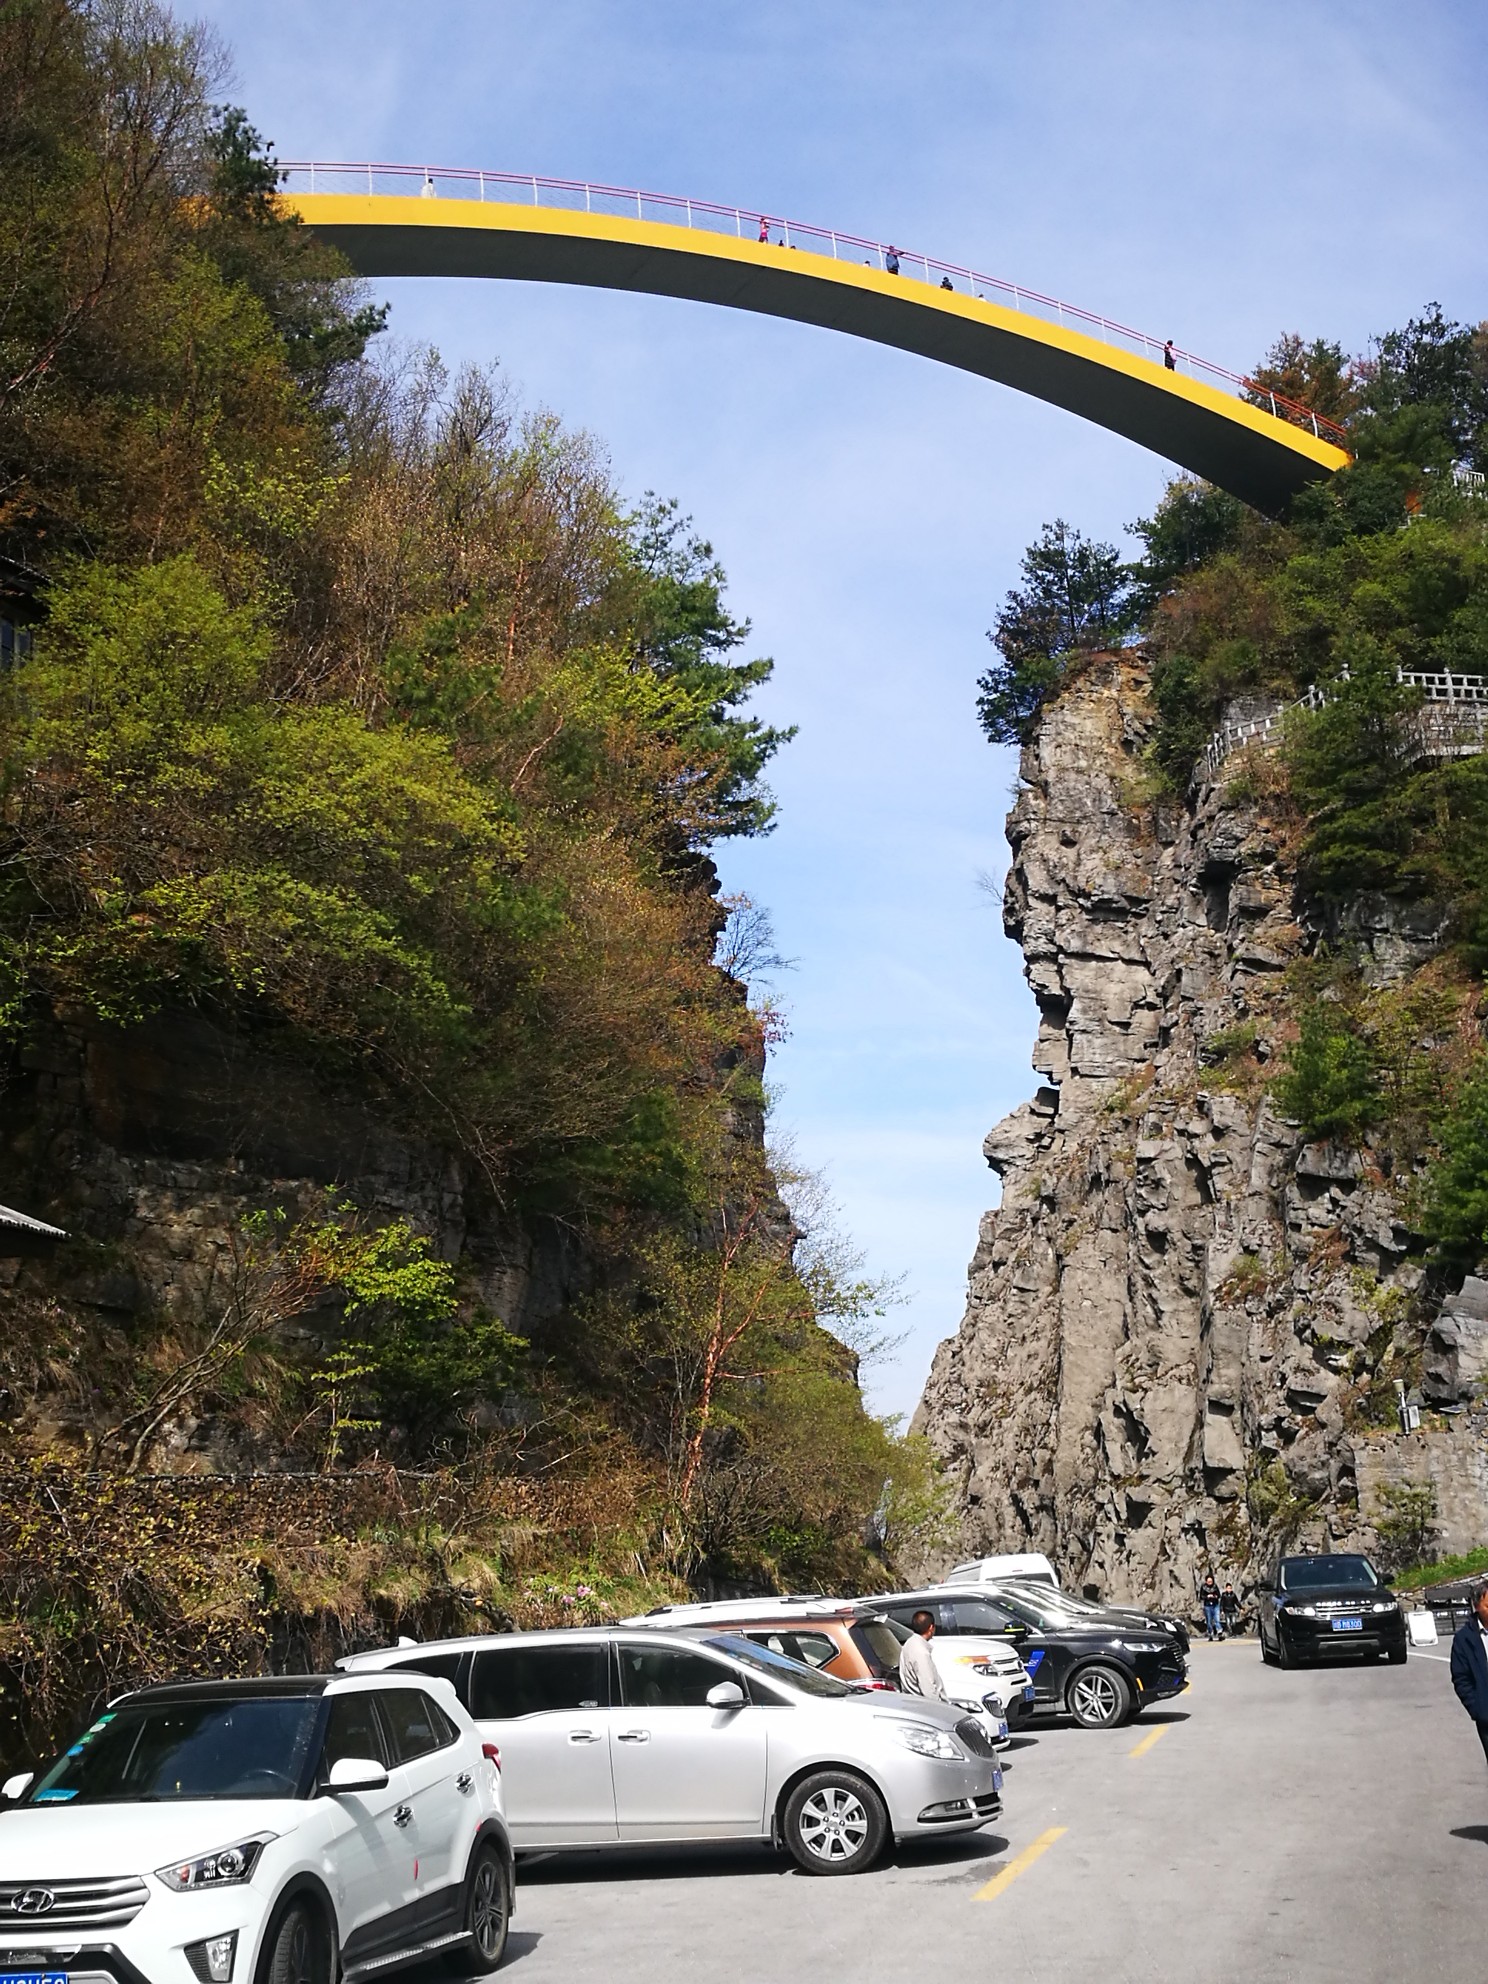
1209	1597
918	1674
1470	1666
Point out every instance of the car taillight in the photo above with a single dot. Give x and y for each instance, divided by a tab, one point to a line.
887	1687
490	1750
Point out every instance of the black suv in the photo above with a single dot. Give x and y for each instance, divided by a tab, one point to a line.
1328	1608
1099	1671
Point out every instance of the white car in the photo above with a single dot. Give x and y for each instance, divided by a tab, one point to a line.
290	1831
611	1736
989	1570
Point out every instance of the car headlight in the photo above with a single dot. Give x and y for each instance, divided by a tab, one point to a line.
1139	1646
228	1867
1384	1605
923	1738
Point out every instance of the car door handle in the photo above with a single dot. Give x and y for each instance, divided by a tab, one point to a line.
464	1782
582	1736
635	1736
403	1816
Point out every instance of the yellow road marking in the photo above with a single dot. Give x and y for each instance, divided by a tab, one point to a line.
1152	1736
1021	1865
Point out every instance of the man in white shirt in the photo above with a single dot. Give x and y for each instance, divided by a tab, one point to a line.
918	1674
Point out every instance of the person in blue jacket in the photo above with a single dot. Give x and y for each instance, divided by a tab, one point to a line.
1470	1666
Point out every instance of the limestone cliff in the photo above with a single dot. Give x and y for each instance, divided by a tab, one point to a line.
1170	1314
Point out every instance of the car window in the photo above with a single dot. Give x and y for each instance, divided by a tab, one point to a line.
255	1747
512	1681
416	1724
445	1666
354	1730
1311	1573
805	1680
666	1677
976	1615
813	1649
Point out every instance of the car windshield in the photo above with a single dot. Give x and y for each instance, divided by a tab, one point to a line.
252	1747
805	1680
1311	1573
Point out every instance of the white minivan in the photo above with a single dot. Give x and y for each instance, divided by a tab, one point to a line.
1025	1564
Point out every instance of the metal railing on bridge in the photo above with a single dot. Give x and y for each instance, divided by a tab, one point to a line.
750	223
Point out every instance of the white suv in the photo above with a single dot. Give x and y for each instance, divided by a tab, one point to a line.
287	1831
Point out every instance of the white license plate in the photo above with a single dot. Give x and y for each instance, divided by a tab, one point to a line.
1339	1626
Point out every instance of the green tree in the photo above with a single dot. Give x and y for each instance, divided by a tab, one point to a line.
1074	596
1455	1193
1329	1086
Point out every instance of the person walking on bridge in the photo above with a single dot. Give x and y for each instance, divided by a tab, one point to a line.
764	233
891	260
918	1674
1168	359
1469	1668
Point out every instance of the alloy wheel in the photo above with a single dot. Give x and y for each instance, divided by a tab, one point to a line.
833	1824
1096	1697
488	1908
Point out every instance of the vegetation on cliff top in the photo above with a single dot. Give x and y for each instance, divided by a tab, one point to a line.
1380	572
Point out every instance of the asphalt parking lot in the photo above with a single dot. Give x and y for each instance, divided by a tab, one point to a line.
1327	1824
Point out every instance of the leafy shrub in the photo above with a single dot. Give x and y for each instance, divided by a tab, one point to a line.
1329	1086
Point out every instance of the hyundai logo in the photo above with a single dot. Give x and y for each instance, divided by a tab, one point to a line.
35	1901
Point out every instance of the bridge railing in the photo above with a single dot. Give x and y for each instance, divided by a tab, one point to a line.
751	224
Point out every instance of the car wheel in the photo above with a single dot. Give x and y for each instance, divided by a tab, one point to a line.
1100	1698
1285	1658
835	1823
1266	1654
487	1916
297	1949
1397	1656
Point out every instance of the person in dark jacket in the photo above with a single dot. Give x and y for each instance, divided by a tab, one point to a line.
1209	1599
1229	1608
1470	1666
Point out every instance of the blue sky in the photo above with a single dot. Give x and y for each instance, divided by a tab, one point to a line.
1213	174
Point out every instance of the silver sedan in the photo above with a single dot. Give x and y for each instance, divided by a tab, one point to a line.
610	1737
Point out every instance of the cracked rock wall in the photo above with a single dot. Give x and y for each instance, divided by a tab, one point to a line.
1169	1311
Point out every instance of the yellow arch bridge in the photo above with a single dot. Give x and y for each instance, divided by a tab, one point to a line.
427	221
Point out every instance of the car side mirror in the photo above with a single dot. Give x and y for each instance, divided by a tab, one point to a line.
15	1788
355	1774
726	1694
1265	1588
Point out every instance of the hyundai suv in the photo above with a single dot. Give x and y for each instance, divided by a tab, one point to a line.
290	1831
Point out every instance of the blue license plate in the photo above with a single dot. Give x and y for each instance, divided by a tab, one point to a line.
1339	1626
33	1977
996	1778
1028	1692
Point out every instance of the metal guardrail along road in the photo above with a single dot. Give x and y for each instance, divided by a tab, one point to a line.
444	220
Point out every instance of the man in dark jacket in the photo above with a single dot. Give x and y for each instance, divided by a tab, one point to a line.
1470	1666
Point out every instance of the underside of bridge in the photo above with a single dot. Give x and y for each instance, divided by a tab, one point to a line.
1199	427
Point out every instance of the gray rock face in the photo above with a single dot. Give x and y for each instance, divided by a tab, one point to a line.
1173	1313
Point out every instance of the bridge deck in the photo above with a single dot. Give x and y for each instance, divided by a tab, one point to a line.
1213	433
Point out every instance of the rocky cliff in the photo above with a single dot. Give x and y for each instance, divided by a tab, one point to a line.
1178	1335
